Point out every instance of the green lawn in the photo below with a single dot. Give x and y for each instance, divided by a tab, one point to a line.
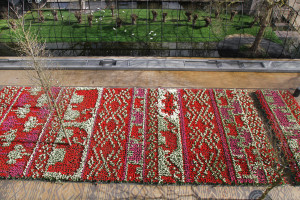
68	30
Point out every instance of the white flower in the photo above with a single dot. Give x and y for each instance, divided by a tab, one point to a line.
42	100
31	123
23	111
103	10
76	98
35	90
154	34
123	11
125	30
132	34
114	28
151	38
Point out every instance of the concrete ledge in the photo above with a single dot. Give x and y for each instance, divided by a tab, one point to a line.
157	64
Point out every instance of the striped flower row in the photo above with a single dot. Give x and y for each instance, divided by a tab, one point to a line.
284	114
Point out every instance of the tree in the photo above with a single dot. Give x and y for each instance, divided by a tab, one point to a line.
217	5
154	13
133	19
29	45
266	8
82	4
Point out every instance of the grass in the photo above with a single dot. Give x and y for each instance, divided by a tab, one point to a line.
68	30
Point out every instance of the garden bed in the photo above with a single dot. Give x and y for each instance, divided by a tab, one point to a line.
195	136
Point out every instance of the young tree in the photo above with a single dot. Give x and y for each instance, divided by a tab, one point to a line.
154	13
207	21
133	19
41	16
90	20
54	13
164	15
195	17
217	5
78	16
119	22
188	14
112	8
233	14
29	45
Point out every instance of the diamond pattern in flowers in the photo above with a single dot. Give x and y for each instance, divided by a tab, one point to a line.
207	160
106	156
145	135
244	150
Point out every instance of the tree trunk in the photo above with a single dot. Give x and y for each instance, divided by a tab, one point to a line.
154	13
133	19
207	21
195	17
188	15
260	34
112	8
164	16
119	22
217	14
232	15
82	4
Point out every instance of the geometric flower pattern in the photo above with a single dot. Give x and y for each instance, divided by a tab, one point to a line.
283	112
138	135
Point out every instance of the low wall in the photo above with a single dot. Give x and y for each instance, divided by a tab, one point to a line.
165	49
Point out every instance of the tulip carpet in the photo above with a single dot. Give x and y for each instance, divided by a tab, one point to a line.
161	135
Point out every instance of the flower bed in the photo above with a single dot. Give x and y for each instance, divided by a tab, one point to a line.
283	113
140	135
